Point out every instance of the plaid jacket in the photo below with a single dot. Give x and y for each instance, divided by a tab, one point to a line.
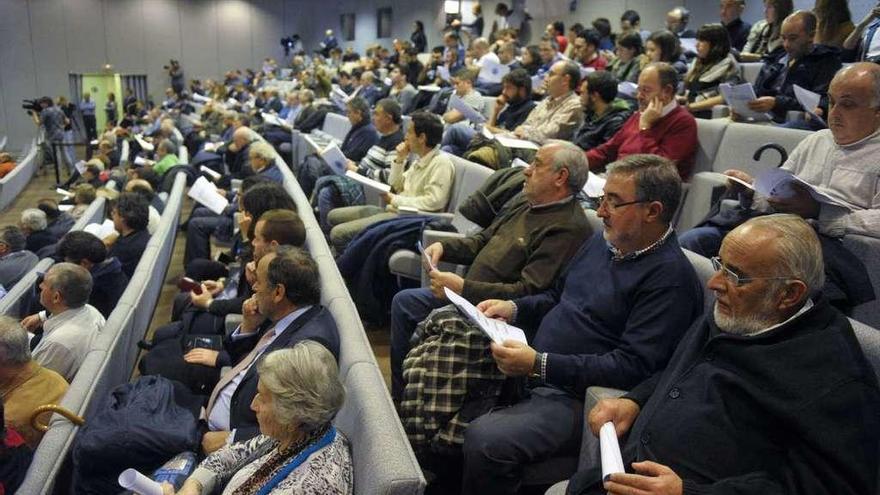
451	380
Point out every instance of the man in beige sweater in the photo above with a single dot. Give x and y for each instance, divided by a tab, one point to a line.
424	186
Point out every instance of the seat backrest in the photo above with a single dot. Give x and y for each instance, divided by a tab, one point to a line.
336	125
740	141
869	340
867	249
469	176
750	71
709	135
705	271
488	106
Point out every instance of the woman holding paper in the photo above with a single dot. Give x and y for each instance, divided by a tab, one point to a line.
713	66
299	450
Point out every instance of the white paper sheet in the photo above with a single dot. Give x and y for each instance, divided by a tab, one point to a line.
65	207
628	88
738	98
335	159
496	330
214	175
143	143
80	167
273	120
426	260
493	72
212	147
609	447
374	184
537	82
199	98
688	45
516	143
132	479
780	184
430	88
595	186
519	162
206	193
586	71
809	100
141	161
63	192
463	108
443	72
100	230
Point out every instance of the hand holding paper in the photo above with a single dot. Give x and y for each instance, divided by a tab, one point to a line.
132	479
612	461
496	330
206	193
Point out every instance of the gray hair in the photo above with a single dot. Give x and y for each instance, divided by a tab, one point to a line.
262	150
306	96
13	237
797	246
858	69
14	344
34	219
360	106
168	147
72	281
571	157
304	383
656	179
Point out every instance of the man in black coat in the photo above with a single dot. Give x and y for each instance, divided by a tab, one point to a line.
771	393
108	280
287	294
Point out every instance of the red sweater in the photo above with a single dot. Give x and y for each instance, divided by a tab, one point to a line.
673	137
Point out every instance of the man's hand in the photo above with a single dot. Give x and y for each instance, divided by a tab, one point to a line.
435	252
250	272
214	440
496	308
387	197
513	357
439	280
653	479
651	114
203	300
801	203
402	150
251	317
205	357
762	104
214	286
351	165
734	186
32	323
621	412
500	101
244	223
519	132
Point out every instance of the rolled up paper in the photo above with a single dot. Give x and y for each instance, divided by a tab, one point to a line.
612	461
132	479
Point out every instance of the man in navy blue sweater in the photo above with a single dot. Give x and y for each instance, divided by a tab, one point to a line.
613	319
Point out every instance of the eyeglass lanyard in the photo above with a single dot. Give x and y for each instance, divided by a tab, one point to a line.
297	461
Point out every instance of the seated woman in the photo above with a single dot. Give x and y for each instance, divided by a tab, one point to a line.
298	451
766	34
663	46
713	66
626	66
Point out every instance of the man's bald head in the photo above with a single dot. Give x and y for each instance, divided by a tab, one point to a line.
854	103
798	30
242	137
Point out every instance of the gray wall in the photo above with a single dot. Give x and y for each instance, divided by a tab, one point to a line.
44	40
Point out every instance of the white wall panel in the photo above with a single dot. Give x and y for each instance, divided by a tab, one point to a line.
161	20
84	34
267	24
51	49
17	79
124	26
199	34
233	18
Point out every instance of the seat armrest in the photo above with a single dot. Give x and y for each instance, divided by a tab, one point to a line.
431	236
443	217
720	111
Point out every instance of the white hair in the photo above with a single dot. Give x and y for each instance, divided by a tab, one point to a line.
34	219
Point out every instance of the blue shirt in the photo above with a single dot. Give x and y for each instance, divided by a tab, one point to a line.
87	107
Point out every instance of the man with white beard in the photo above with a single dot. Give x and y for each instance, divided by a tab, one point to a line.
770	393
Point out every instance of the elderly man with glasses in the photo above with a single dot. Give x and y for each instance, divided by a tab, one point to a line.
769	393
613	319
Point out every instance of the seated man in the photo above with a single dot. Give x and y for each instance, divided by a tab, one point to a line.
336	191
285	305
604	113
840	160
660	127
512	107
108	280
586	46
754	376
402	92
57	222
463	82
24	384
424	185
131	216
166	153
362	135
560	113
612	319
33	225
145	190
507	52
69	324
15	260
520	253
801	63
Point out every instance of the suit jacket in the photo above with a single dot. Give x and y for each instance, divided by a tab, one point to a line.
315	324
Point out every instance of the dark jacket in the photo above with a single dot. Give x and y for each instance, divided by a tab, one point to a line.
813	72
40	239
62	223
738	31
315	324
419	41
793	410
108	284
595	131
129	249
359	140
15	265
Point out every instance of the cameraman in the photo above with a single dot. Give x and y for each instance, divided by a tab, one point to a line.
53	121
178	83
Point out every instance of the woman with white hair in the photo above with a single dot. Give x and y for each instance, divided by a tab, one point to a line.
299	451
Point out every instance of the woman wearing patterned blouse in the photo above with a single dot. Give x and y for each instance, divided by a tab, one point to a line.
298	451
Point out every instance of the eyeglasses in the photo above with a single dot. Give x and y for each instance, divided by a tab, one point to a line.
613	206
734	277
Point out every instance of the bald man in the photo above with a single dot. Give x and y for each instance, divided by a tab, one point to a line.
842	160
800	63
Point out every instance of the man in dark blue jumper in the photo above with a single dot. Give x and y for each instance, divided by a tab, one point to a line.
613	319
770	393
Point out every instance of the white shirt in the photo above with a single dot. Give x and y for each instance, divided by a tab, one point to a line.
67	338
488	56
219	418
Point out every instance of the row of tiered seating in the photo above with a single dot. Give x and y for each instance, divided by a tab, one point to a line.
15	181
